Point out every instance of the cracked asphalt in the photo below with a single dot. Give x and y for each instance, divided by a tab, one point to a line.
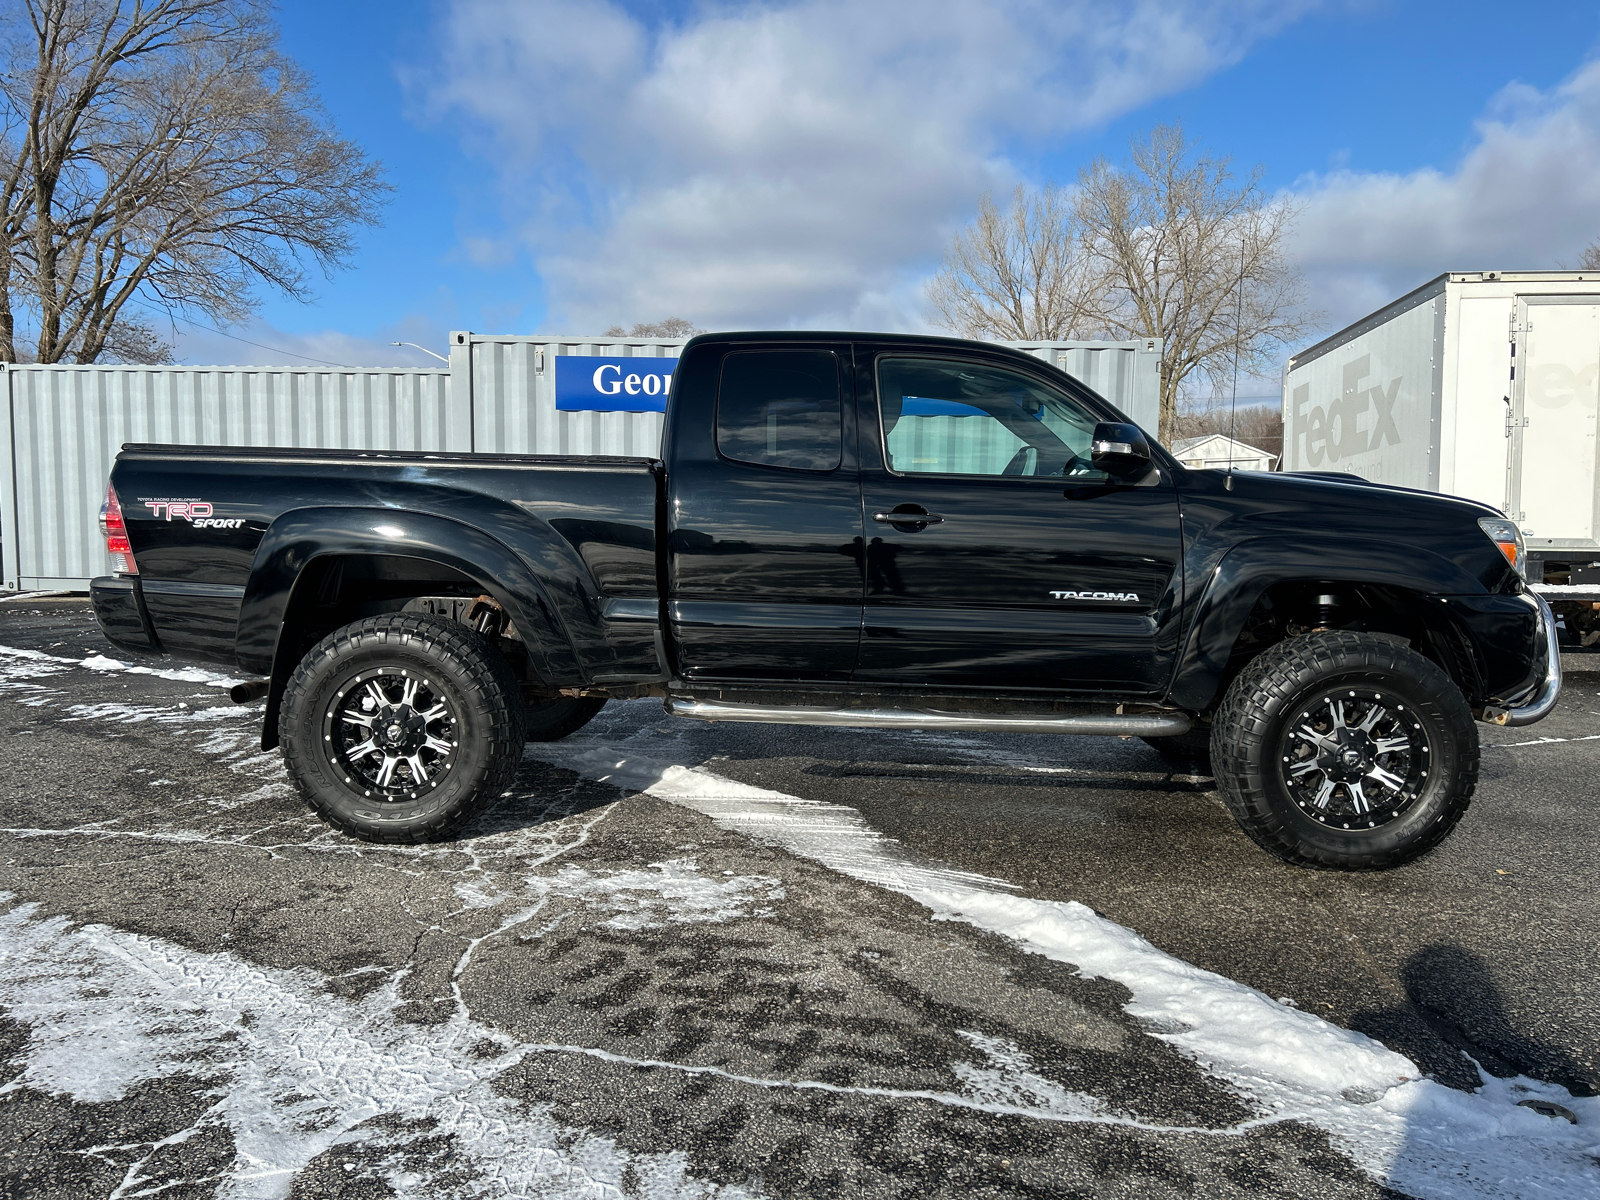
598	991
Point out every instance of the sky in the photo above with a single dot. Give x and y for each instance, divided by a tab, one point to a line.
560	166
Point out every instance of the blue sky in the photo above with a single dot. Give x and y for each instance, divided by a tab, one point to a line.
562	166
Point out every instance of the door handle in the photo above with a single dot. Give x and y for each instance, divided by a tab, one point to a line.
908	518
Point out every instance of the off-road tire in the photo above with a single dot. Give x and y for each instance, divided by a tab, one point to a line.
476	681
1248	738
556	719
1192	749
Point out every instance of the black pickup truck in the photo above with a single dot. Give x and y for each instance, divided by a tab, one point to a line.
845	529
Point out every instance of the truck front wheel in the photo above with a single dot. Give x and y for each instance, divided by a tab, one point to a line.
400	728
1345	750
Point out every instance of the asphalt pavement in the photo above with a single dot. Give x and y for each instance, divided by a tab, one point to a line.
690	960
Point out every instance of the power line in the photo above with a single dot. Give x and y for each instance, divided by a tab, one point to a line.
262	345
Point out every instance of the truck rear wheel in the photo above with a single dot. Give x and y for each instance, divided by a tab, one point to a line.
1345	750
556	719
400	728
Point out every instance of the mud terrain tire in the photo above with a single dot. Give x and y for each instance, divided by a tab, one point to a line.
1268	738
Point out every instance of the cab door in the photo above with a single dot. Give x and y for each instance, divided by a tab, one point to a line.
996	556
763	519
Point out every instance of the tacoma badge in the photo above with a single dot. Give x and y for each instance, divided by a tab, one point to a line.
1131	597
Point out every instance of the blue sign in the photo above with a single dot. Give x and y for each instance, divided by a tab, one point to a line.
918	406
590	384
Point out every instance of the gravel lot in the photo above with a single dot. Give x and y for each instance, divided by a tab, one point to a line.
686	960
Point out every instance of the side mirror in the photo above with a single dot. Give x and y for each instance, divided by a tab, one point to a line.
1119	450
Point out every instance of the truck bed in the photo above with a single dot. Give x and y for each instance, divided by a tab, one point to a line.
197	518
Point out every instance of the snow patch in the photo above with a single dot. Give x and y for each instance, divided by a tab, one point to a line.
1010	1082
1420	1136
17	663
294	1070
160	714
99	662
17	667
671	892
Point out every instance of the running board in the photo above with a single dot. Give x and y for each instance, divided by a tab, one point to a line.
1106	724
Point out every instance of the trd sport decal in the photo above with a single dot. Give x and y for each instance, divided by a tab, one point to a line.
196	512
1131	597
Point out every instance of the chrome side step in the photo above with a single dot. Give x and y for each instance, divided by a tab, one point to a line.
1107	724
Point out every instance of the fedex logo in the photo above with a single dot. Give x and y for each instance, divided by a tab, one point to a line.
1336	431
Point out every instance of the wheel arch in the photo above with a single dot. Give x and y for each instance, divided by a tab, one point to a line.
1258	590
300	585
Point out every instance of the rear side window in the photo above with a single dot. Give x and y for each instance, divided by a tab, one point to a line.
780	408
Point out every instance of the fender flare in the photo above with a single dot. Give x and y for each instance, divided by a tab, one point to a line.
299	537
1250	567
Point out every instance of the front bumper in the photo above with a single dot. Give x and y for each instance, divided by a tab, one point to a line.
1534	702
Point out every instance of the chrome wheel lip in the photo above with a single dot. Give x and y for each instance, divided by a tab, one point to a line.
1354	759
391	733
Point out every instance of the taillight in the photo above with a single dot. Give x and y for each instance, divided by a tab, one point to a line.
115	531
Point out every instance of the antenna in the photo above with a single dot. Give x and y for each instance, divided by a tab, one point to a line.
1238	336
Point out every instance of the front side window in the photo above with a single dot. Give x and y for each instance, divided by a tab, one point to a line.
780	408
946	417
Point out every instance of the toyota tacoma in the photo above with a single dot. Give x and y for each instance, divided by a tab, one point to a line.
855	530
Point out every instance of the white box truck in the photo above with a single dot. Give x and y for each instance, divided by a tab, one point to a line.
1482	384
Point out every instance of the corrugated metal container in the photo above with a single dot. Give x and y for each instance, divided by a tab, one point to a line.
513	395
1482	384
64	426
514	388
1126	373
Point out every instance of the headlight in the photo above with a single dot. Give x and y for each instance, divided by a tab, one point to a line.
1508	537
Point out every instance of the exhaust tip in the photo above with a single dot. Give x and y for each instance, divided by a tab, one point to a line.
244	693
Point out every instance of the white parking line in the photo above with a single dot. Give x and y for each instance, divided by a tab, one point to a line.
1546	741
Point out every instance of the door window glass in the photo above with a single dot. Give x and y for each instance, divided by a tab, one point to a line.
780	408
947	417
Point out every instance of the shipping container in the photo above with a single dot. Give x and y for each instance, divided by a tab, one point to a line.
61	426
515	382
1481	384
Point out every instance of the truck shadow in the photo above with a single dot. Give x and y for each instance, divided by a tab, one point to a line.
540	794
1455	1016
1163	778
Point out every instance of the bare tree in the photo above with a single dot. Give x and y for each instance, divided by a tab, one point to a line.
1018	274
671	327
160	156
1194	258
1591	257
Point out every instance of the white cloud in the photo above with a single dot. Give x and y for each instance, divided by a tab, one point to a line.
789	164
1525	196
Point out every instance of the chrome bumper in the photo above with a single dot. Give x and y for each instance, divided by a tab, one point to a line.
1535	702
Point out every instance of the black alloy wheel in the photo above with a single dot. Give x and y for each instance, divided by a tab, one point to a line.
1345	750
1354	758
393	731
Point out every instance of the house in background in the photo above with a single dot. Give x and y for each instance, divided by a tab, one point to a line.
1216	449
